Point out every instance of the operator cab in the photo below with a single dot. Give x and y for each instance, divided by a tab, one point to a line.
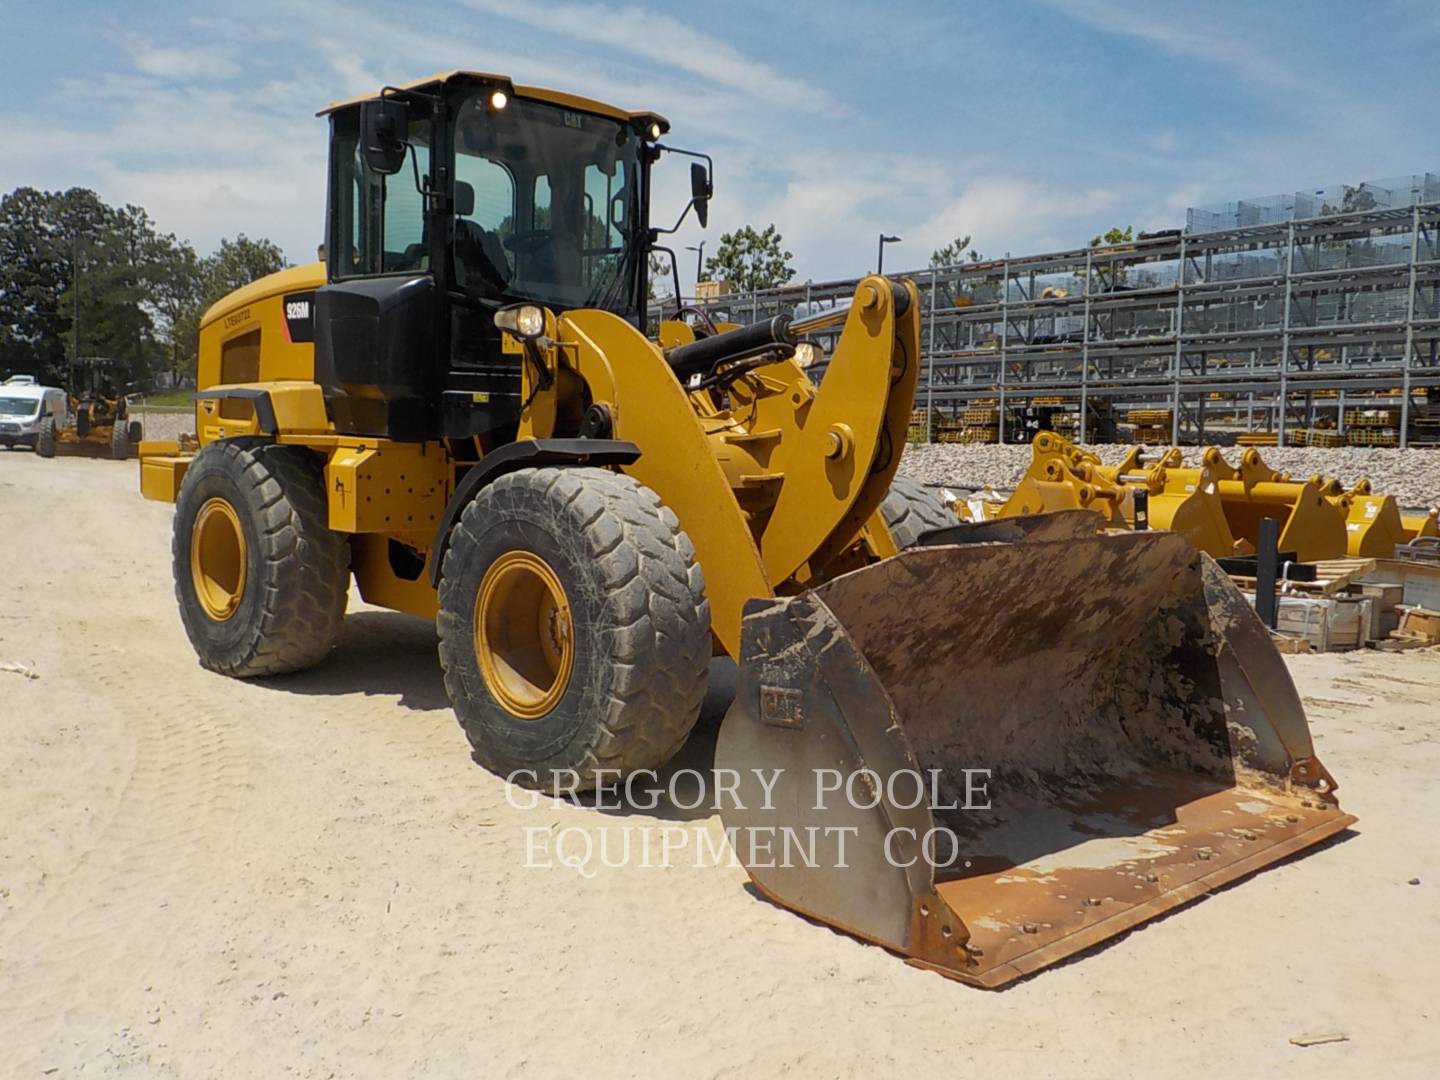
450	199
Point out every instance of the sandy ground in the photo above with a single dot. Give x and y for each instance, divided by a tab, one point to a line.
309	877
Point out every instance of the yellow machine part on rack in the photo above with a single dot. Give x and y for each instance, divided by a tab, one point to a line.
1218	507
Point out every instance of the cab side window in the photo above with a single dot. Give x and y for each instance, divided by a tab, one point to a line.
377	223
494	189
487	221
403	225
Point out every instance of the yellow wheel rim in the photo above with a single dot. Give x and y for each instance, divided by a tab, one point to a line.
218	559
523	634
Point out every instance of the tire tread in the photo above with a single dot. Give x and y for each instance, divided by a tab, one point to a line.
658	619
910	509
305	564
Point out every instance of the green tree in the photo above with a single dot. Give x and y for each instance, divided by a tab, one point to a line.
64	254
1114	235
1111	275
33	274
751	260
237	263
954	253
114	270
139	294
178	295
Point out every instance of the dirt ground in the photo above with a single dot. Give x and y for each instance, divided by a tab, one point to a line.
309	877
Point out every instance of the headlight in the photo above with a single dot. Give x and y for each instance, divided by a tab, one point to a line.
525	321
807	353
498	100
654	131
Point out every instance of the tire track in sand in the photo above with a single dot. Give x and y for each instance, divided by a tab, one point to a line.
76	959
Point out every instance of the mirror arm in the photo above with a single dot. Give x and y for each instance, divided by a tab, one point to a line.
678	221
709	161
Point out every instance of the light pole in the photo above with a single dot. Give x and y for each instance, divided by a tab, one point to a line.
75	295
699	261
880	251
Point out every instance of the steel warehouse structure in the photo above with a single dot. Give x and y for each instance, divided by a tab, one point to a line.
1304	311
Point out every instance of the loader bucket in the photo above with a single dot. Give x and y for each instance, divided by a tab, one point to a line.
988	756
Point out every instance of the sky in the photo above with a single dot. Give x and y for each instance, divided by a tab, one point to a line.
1029	124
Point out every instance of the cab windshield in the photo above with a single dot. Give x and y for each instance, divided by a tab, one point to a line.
549	205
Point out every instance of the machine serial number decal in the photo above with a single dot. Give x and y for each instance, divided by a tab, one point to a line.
238	317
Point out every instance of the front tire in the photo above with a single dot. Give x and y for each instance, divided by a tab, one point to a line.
910	509
260	578
120	441
574	629
45	441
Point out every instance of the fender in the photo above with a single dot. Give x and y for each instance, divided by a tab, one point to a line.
259	398
525	454
282	406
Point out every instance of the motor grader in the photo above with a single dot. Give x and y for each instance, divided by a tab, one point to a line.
97	417
460	412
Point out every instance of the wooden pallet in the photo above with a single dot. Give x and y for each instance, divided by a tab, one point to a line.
1419	624
1332	576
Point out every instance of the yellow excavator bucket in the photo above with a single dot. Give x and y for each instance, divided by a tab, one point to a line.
1418	525
1310	525
1015	741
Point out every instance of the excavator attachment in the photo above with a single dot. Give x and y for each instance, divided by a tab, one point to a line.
1015	741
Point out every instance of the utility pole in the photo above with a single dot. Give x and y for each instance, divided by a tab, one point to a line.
75	297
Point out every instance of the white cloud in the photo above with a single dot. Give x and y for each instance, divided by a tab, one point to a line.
184	63
670	42
1018	214
1190	35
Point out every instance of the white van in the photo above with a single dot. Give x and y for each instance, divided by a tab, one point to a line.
23	404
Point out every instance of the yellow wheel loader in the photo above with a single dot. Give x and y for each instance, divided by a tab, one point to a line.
999	746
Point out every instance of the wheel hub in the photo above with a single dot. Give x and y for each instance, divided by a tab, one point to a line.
218	559
524	635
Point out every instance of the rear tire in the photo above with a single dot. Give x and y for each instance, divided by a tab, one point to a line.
628	670
45	441
910	508
264	589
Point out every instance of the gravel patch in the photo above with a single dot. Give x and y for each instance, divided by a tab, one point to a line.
165	425
1412	476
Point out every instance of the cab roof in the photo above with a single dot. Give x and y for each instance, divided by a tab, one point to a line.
22	391
435	82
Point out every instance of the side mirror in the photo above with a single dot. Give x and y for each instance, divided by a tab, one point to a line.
464	199
384	125
700	191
